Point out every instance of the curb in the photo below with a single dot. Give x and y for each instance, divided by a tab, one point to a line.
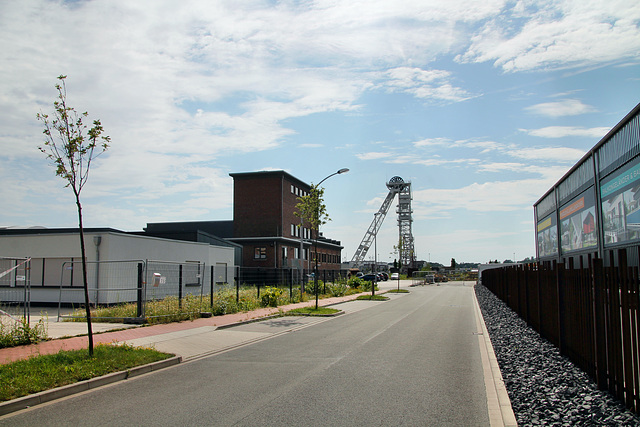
500	411
70	389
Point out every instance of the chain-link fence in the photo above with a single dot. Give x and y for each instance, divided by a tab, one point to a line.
15	287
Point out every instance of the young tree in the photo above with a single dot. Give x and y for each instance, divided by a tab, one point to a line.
72	146
312	210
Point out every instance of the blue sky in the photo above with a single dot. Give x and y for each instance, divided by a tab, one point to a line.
483	106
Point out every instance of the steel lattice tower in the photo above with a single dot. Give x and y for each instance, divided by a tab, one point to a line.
396	185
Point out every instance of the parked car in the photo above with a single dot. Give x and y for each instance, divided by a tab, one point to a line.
370	277
385	276
395	276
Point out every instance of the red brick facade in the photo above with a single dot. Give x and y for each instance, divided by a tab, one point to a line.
265	224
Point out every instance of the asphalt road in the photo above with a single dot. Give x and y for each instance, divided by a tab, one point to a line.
413	360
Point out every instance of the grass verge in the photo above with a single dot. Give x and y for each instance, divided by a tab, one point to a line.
312	311
40	373
398	291
372	298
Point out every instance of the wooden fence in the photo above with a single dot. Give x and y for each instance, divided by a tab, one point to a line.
589	312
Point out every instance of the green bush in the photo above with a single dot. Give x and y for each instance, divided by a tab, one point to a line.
366	286
355	282
270	296
338	289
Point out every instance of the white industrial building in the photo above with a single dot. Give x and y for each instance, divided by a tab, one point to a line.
121	265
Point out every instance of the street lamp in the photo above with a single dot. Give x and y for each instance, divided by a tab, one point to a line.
317	186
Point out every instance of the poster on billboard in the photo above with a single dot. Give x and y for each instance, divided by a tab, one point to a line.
620	196
547	237
578	228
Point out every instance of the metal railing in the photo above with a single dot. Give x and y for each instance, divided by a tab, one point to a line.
15	287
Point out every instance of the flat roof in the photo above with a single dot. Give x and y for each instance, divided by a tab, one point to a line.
278	173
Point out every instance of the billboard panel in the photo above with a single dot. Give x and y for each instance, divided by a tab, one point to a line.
578	228
620	196
547	237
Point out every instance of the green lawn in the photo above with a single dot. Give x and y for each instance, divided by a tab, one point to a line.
40	373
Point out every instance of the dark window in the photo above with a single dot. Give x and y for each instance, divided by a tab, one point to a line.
260	252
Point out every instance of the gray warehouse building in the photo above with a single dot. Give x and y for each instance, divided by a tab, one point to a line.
595	207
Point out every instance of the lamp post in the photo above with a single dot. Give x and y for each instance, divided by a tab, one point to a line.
375	258
317	186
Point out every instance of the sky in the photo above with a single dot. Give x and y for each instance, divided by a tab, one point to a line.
481	105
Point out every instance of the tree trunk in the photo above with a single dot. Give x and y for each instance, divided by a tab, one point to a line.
85	282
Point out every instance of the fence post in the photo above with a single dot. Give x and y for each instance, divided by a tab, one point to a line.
324	282
627	357
180	286
212	281
561	309
140	307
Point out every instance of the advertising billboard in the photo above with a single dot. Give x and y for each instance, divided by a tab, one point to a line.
578	228
547	237
620	196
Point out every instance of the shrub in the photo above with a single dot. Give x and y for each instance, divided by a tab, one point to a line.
270	296
354	282
366	286
338	289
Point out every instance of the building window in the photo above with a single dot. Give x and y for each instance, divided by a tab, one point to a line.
292	188
293	230
260	252
296	253
284	252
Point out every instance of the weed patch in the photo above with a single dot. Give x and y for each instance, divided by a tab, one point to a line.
14	333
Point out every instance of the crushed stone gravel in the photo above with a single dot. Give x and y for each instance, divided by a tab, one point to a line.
545	387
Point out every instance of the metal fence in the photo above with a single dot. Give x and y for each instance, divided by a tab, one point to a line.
15	287
141	281
590	312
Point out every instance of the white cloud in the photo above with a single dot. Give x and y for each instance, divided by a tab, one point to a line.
564	131
424	84
566	107
563	154
434	142
558	35
486	197
373	156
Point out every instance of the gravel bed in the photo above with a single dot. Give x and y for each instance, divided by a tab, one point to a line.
545	388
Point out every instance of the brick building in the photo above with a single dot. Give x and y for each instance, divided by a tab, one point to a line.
264	225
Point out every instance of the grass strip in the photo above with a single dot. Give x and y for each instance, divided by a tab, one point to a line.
398	291
312	311
44	372
372	298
